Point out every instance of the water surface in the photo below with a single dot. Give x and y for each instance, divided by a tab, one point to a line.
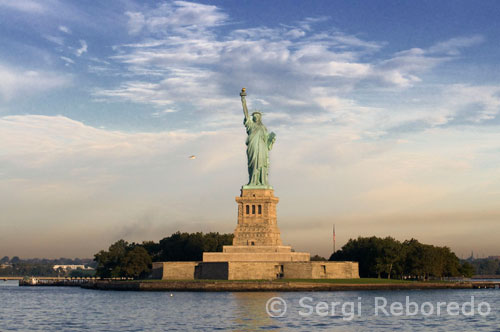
75	309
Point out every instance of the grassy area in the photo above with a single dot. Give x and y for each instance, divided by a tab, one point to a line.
349	281
199	280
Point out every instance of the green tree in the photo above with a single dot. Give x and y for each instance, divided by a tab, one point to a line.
467	270
136	263
390	254
363	250
190	247
387	257
109	263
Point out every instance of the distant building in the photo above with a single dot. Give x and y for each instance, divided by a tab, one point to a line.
494	257
71	267
5	265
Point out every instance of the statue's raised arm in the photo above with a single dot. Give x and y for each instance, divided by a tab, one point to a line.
243	95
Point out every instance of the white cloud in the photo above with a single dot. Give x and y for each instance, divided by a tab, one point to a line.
345	40
39	140
282	65
82	49
295	33
456	104
163	112
179	16
64	29
139	92
472	104
67	60
135	23
311	75
453	45
56	40
194	86
28	6
14	82
403	69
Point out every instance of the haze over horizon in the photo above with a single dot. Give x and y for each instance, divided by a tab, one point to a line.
386	115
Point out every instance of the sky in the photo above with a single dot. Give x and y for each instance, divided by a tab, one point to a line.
386	115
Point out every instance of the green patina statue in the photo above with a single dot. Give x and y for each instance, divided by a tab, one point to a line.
259	142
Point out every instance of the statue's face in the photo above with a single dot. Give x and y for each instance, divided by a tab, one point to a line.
256	117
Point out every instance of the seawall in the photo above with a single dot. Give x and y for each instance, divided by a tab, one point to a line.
270	286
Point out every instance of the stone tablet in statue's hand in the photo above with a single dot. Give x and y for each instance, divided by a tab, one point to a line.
272	137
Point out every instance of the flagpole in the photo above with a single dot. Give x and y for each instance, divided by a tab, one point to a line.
333	238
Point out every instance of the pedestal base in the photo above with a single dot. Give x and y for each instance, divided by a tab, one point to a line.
256	254
254	270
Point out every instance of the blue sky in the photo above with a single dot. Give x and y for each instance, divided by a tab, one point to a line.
386	114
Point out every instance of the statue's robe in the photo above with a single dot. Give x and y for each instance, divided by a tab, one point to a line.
257	152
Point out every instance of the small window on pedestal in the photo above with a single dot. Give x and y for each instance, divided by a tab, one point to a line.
260	209
248	209
253	209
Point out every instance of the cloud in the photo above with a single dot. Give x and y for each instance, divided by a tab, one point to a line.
135	23
405	66
164	112
14	82
47	139
75	177
178	16
67	60
56	40
66	171
453	45
453	105
64	29
82	49
28	6
472	104
181	52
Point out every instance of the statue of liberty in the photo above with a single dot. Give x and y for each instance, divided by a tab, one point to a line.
259	142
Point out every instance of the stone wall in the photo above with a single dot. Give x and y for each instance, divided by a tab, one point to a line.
320	270
253	270
256	257
174	270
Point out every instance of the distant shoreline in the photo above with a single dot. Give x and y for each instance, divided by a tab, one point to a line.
282	286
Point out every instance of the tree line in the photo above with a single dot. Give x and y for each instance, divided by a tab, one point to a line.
133	260
389	258
486	266
43	267
377	257
46	261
